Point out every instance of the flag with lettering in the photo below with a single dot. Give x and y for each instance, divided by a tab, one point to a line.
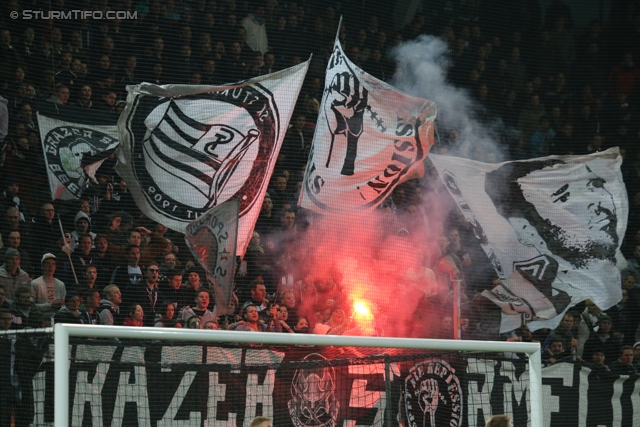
186	148
369	138
75	142
212	240
552	228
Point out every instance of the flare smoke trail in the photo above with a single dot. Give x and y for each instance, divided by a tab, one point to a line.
422	66
371	263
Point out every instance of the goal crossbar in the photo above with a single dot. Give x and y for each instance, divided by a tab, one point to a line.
62	333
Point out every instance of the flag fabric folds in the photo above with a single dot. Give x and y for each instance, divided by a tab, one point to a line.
552	228
369	138
75	142
212	240
186	149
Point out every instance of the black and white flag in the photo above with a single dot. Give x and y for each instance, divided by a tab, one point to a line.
212	240
186	149
75	142
552	228
369	138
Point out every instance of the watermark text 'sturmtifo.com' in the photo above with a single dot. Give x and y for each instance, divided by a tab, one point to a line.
74	14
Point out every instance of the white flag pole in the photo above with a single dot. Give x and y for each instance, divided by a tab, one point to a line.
73	270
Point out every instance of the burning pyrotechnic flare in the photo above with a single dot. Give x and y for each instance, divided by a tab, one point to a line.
363	317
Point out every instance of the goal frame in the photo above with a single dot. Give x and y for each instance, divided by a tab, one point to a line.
62	333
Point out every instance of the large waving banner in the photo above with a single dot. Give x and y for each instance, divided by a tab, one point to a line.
369	138
550	226
186	149
75	142
212	240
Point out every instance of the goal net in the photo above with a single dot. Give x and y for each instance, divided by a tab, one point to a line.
119	376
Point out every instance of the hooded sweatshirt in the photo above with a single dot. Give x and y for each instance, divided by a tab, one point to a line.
11	283
75	236
110	313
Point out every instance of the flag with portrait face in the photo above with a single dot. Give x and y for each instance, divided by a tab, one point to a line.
75	142
186	149
552	228
369	138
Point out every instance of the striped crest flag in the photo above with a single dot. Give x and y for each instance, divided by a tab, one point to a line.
75	142
552	228
369	138
212	240
186	149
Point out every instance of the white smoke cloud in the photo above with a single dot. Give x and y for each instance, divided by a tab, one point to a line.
422	66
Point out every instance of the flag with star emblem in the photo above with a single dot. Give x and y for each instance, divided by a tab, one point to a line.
552	228
212	240
369	138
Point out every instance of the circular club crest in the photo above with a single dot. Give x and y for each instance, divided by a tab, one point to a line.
67	149
432	395
313	395
195	152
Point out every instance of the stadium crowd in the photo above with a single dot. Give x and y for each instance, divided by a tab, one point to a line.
557	89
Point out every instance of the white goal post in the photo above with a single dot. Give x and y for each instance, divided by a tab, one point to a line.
63	332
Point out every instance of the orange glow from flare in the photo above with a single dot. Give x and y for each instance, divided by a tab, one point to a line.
363	317
361	309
